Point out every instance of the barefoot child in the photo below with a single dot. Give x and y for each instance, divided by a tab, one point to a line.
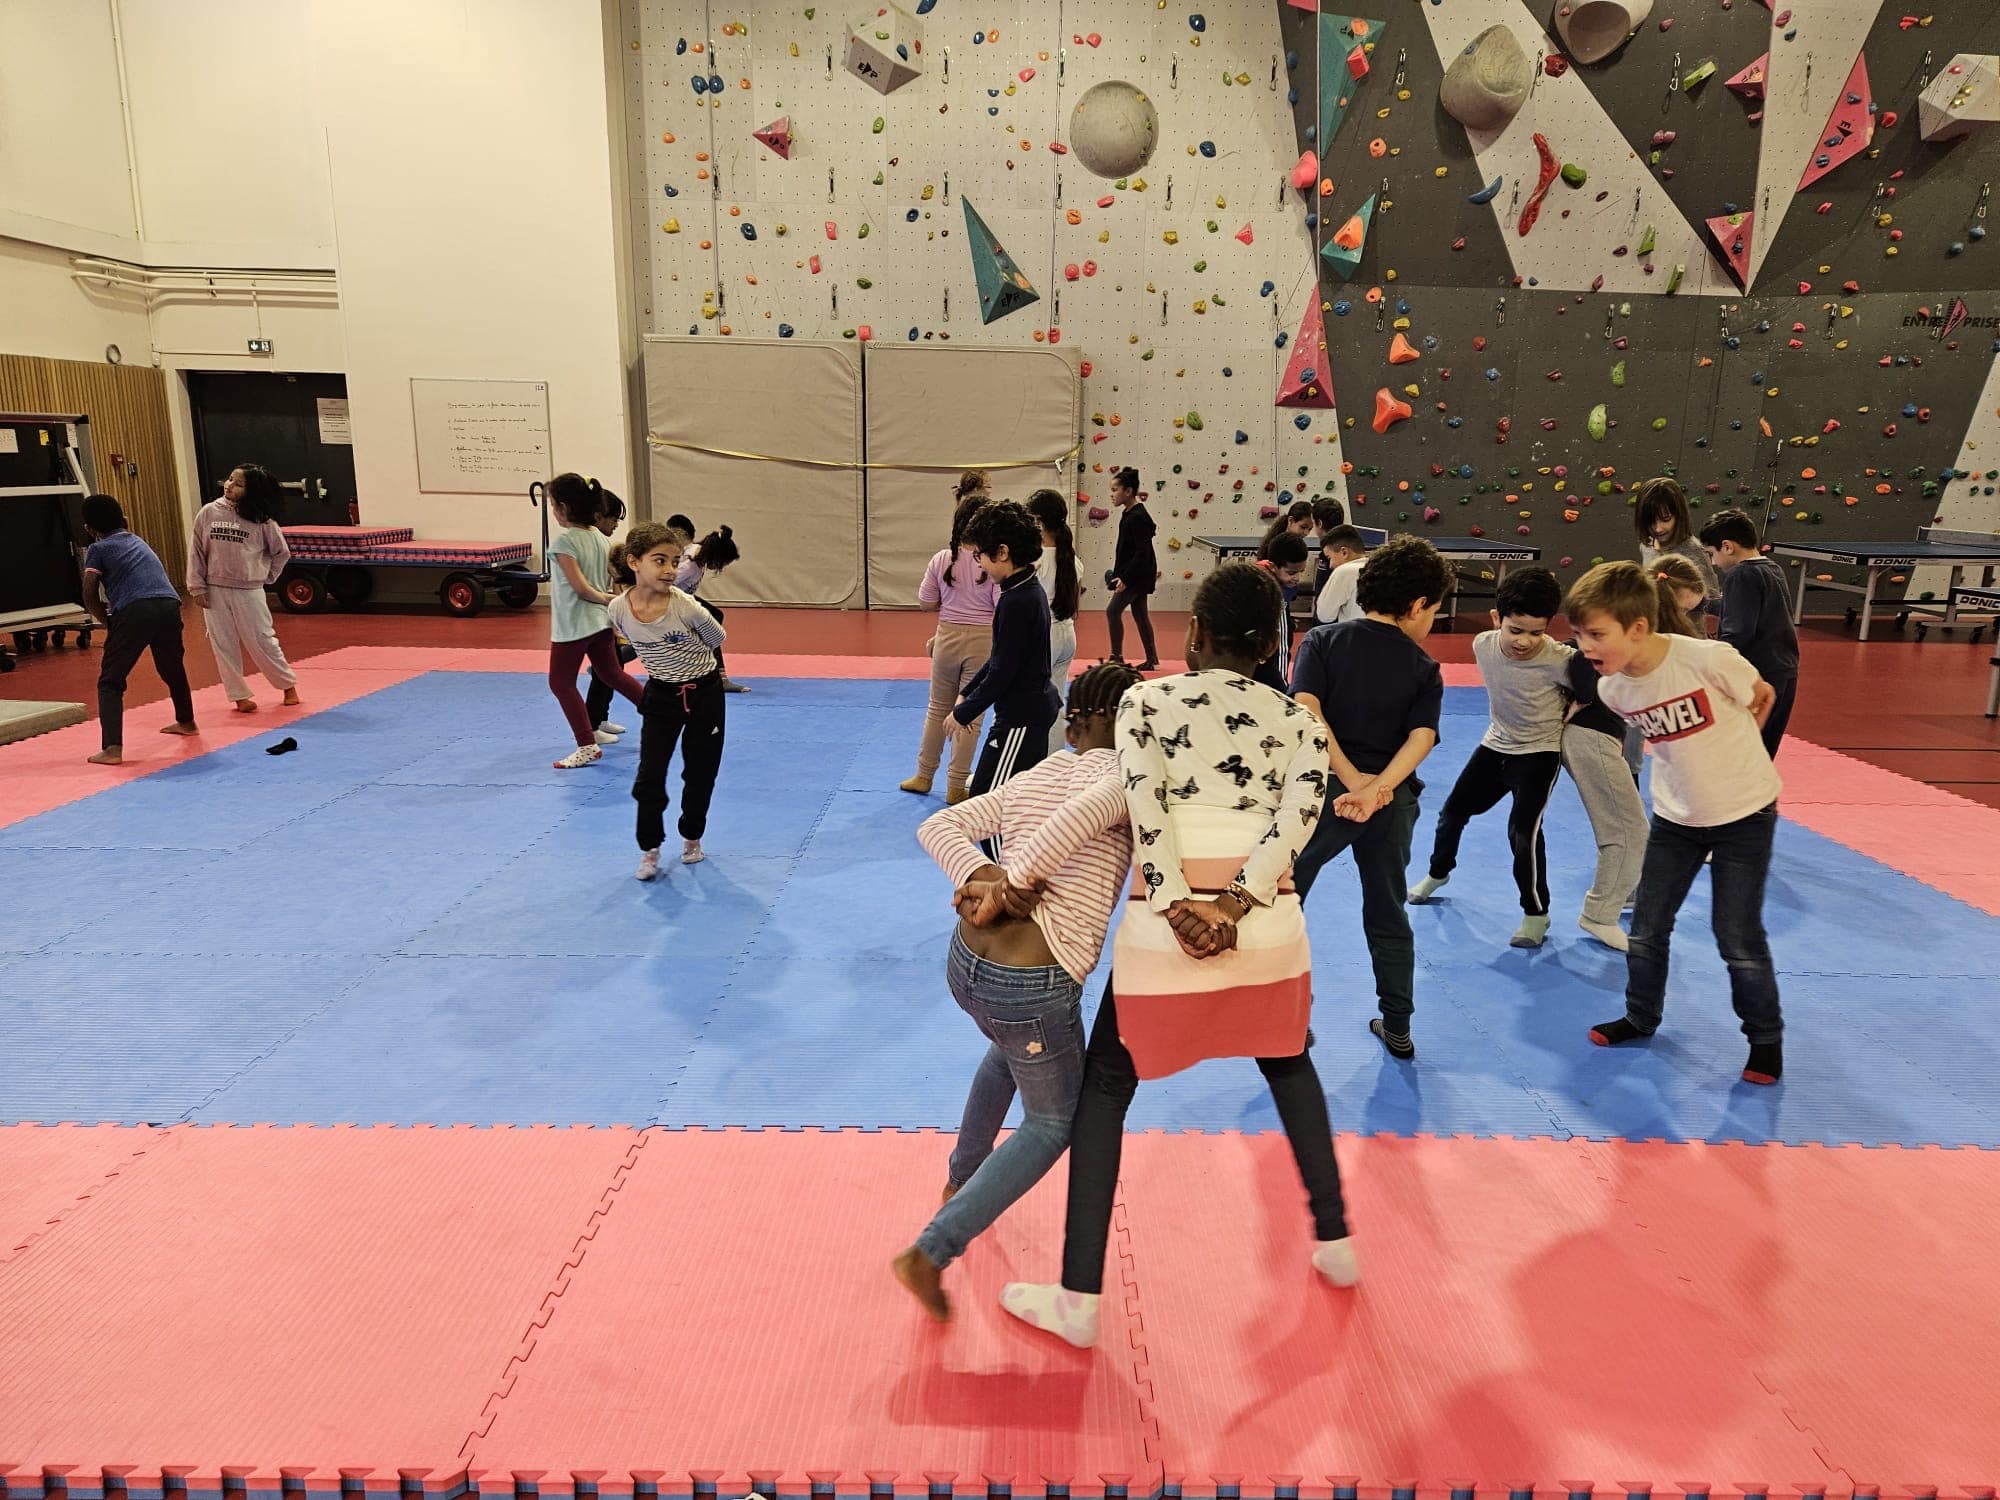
1069	848
236	553
1700	706
126	586
679	642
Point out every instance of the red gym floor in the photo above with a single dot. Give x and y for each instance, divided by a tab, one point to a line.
1908	708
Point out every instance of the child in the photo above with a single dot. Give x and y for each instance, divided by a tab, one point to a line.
597	701
1295	519
1057	571
1700	706
1380	695
681	527
711	554
1021	981
1285	559
237	552
126	586
972	485
1135	570
1224	780
1660	515
680	643
1593	752
1014	682
1520	755
1756	612
579	628
1328	515
1342	551
964	596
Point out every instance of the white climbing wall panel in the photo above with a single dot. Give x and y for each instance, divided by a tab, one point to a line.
1168	345
1579	234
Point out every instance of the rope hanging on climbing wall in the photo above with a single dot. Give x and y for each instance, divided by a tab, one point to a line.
957	465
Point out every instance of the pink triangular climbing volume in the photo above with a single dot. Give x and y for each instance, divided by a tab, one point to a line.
1748	82
1849	129
777	135
1732	238
1307	382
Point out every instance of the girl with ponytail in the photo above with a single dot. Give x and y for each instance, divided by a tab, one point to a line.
579	627
1057	571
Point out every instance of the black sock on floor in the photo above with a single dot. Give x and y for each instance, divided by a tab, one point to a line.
1766	1064
1398	1042
1611	1033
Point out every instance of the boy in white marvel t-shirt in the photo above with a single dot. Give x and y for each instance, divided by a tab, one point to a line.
1701	706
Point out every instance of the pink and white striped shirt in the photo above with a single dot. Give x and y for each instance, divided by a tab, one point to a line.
1065	822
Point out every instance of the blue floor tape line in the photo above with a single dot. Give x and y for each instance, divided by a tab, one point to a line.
414	919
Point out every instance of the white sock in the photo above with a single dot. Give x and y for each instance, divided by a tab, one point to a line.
1608	933
1070	1316
1334	1259
1428	887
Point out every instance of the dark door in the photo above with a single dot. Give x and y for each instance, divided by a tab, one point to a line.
285	423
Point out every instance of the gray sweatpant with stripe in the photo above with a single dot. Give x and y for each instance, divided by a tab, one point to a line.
1596	763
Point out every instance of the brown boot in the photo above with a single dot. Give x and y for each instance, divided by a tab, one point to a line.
923	1281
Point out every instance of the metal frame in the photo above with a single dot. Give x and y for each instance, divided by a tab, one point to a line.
82	466
1957	550
1453	549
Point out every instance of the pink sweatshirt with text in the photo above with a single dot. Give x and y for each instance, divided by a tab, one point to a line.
229	552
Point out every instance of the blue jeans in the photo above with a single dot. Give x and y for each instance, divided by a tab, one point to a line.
1674	855
1034	1020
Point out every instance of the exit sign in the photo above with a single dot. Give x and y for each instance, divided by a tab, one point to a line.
260	346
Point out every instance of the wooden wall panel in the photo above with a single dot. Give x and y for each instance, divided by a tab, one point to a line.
127	407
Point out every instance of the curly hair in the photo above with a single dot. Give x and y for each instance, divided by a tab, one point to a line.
719	549
1097	689
1005	523
1238	607
1534	592
647	535
1398	573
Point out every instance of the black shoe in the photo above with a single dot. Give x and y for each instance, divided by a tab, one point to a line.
1614	1033
1398	1042
1766	1064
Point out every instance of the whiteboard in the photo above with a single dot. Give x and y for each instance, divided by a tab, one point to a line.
480	437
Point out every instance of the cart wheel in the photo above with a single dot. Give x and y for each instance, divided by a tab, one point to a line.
6	660
519	595
461	595
349	587
301	593
83	638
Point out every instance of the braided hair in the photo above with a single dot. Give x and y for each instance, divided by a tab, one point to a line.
968	507
1238	606
1098	689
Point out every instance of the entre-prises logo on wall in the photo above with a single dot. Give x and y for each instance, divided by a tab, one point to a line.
1948	320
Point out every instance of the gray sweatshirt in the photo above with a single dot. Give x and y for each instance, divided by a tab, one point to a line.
1526	698
229	552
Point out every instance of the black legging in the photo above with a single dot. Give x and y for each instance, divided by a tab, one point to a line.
1097	1144
1114	617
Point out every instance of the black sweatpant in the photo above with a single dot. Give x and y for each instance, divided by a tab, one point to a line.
1114	618
1787	689
721	666
1487	777
665	710
143	624
1097	1144
597	698
1009	750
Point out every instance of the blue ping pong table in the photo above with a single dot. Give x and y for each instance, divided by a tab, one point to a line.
1454	549
1934	546
1982	601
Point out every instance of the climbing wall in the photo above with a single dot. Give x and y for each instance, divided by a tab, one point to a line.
1677	302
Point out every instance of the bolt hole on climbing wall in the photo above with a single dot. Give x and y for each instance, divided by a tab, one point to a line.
1583	243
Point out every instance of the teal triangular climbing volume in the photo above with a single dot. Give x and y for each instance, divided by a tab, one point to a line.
1345	246
1002	287
1337	83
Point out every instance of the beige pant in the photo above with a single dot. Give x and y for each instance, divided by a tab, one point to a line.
957	654
239	624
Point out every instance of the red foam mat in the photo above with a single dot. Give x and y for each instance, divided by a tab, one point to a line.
47	1172
737	1319
1561	1315
316	1302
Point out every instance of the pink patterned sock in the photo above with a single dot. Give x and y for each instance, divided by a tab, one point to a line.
1070	1316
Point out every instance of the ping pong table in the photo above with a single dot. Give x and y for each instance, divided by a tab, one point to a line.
1982	601
1934	546
1454	549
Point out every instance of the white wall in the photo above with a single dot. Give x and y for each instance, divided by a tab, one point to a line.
63	169
472	187
232	161
42	311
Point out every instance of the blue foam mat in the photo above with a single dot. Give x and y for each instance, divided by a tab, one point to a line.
400	892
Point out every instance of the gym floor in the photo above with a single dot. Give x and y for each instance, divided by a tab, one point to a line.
1583	1270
